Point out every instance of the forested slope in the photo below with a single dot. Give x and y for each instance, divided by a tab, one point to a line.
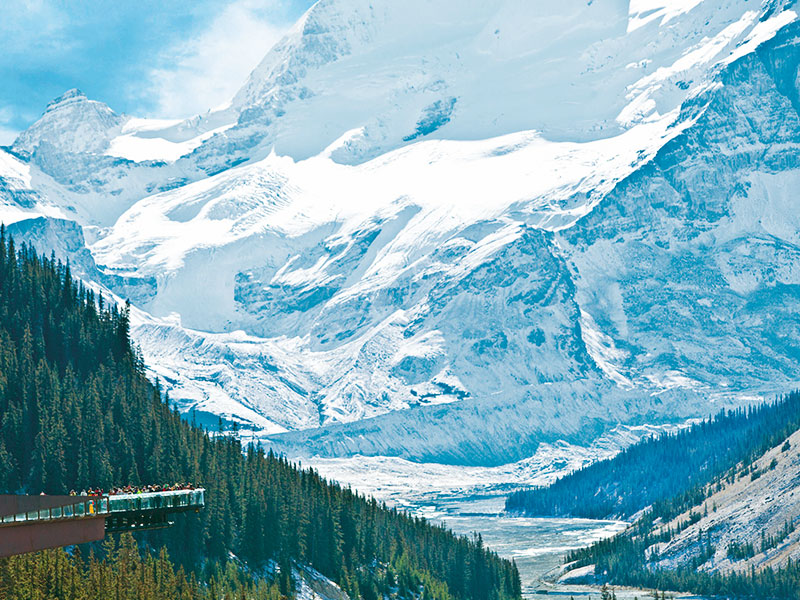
668	467
737	538
123	572
715	506
76	411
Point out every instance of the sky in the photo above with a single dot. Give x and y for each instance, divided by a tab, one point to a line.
148	58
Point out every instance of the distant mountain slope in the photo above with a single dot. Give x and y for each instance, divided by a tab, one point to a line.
735	537
673	465
752	517
595	192
72	124
690	266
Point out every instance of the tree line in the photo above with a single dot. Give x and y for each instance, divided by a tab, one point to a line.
77	411
123	572
623	560
675	466
632	557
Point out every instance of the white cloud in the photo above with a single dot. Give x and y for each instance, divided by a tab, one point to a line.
7	136
33	26
206	71
7	133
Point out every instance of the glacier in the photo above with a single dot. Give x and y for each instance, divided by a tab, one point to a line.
452	240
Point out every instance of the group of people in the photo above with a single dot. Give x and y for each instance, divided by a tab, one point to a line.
130	489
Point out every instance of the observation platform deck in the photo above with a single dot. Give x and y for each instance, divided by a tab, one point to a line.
31	523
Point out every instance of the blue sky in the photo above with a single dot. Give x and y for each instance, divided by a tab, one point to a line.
158	58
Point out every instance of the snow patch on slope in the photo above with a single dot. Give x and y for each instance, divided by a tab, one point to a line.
150	139
18	199
455	182
643	12
415	486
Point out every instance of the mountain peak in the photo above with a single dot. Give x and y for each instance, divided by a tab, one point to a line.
72	123
69	97
381	74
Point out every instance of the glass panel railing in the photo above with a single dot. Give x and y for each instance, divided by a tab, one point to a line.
102	505
151	501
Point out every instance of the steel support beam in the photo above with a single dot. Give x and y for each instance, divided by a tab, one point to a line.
40	536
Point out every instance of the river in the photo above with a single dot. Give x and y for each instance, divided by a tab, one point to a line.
537	545
470	500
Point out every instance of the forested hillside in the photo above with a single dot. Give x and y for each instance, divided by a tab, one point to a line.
622	560
123	573
721	518
77	411
738	538
673	467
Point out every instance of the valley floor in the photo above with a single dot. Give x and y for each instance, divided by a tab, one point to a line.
470	500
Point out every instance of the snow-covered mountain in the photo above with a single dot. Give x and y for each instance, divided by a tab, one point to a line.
486	225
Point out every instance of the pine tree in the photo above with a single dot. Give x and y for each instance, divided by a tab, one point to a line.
77	411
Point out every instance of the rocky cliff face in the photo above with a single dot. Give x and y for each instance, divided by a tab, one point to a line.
527	225
690	266
758	509
71	124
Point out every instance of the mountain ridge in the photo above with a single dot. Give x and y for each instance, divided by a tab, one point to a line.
390	262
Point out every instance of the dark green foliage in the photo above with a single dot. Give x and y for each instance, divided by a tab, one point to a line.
622	560
122	573
773	541
745	550
666	467
741	551
77	411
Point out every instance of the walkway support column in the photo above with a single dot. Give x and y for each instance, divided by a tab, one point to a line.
34	536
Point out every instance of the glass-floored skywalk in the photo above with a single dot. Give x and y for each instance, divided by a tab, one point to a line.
122	512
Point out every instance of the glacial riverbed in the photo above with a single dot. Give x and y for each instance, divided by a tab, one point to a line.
470	500
538	545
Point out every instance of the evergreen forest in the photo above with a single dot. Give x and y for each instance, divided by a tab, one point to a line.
673	467
622	560
77	411
628	559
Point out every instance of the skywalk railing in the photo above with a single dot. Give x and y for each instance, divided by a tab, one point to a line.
178	499
98	506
